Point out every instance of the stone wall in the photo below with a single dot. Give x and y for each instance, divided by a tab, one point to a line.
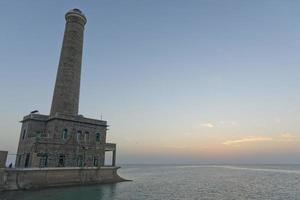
3	157
34	178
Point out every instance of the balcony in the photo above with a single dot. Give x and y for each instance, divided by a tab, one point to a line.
110	147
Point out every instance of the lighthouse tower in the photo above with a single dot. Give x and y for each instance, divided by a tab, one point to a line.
64	138
67	86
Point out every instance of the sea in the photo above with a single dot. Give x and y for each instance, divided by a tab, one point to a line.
183	182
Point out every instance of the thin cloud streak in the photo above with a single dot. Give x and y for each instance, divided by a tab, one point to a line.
208	125
288	136
247	139
280	138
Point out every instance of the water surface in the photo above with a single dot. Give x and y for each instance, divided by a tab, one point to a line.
189	182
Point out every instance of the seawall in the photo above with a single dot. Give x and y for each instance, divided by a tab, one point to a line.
35	178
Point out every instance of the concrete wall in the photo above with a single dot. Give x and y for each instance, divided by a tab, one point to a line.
16	179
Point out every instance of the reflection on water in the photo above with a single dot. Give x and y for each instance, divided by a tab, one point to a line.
290	171
183	182
105	191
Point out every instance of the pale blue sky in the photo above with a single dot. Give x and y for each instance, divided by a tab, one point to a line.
176	80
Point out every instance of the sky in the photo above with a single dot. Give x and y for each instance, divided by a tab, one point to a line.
187	82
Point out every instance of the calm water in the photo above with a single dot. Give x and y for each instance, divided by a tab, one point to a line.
184	182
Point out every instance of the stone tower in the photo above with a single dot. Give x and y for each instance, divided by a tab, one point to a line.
64	138
67	87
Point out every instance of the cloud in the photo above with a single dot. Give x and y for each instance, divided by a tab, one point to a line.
288	137
247	140
225	124
207	125
229	123
285	137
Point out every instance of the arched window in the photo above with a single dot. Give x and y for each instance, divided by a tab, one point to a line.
79	135
65	134
86	136
98	137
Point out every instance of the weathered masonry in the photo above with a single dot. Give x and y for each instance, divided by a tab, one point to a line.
34	178
64	138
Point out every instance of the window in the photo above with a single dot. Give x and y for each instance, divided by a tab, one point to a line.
80	161
98	137
95	161
61	160
27	160
19	160
38	134
44	160
23	134
79	133
86	137
65	134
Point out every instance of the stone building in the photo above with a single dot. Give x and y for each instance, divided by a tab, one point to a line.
64	138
